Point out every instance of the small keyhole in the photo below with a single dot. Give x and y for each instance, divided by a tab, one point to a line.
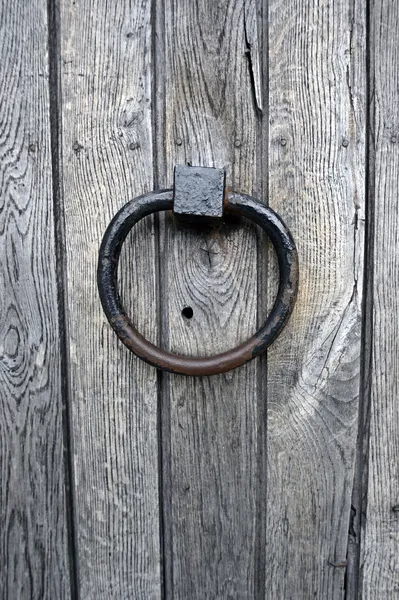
187	312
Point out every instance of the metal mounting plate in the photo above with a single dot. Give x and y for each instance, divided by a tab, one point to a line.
199	194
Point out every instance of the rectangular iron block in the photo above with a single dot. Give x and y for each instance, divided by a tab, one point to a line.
199	194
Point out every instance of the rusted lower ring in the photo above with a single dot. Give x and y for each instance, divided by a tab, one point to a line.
238	204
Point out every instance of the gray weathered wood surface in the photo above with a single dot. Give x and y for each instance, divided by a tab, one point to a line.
105	73
380	543
210	425
33	522
317	181
237	486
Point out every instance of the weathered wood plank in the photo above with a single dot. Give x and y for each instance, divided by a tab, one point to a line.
316	179
212	118
33	526
107	159
380	541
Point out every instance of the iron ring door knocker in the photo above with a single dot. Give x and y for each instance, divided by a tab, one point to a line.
198	194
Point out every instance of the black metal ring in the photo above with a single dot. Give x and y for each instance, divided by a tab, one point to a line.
238	204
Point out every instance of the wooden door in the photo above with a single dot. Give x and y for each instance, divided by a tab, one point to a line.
278	479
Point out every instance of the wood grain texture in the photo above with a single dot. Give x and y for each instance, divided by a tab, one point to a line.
106	160
212	118
316	180
33	527
380	543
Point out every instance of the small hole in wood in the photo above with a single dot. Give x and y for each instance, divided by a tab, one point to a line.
187	312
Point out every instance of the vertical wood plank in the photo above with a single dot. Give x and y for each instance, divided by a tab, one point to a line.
380	542
316	177
33	526
212	118
107	159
